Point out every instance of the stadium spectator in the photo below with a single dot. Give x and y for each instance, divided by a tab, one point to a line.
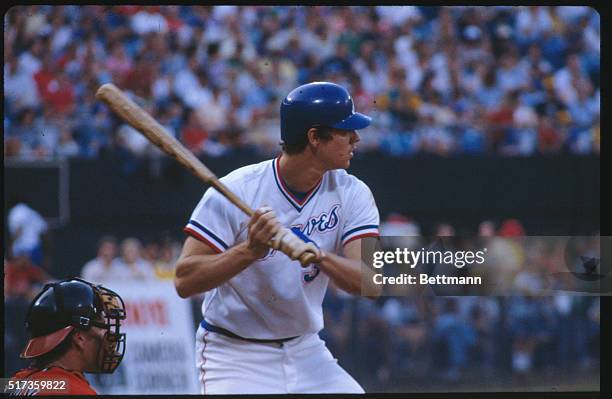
22	278
511	228
410	340
373	331
549	137
445	230
396	224
169	250
28	230
213	114
545	58
453	340
532	23
131	265
193	134
20	90
486	228
528	330
150	251
400	231
67	147
482	316
104	265
118	64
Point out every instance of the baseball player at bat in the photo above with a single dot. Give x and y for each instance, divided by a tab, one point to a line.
262	311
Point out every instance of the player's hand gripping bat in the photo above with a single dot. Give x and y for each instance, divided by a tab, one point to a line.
285	240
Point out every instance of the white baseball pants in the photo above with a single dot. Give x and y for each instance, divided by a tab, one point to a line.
302	365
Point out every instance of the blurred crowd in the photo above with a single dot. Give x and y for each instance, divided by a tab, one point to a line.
478	342
515	262
514	338
503	80
130	259
418	339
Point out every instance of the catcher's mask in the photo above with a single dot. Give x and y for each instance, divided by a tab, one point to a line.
75	303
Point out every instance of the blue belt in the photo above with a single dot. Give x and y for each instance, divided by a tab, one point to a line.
209	327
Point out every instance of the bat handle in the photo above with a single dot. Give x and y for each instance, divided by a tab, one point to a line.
307	258
291	245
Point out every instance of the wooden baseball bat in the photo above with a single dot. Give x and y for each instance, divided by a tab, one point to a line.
140	120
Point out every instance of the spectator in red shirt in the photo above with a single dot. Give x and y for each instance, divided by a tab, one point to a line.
171	13
511	228
54	87
549	138
61	96
193	135
141	76
45	76
501	119
118	63
22	278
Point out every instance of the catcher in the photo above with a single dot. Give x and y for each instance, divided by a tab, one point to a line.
75	328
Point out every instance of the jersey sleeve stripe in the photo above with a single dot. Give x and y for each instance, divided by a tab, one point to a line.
200	237
358	229
358	236
207	232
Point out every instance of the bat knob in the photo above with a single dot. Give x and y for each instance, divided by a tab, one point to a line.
307	258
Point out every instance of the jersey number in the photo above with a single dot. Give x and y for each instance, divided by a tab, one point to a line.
311	275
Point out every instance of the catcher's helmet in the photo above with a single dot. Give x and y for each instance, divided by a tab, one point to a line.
318	104
75	303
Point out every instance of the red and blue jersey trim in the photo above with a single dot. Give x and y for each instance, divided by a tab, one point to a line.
203	234
369	230
293	200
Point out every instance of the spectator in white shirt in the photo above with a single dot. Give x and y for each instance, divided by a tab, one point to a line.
19	87
568	78
26	228
104	265
149	20
131	264
532	22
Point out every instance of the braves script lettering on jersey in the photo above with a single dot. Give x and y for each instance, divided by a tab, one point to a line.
275	298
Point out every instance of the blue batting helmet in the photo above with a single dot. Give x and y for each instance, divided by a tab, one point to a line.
318	104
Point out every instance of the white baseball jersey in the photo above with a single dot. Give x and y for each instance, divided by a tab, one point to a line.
275	297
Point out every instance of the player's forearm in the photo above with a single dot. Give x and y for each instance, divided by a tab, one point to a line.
347	274
200	273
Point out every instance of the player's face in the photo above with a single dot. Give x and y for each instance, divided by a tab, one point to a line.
337	152
94	349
